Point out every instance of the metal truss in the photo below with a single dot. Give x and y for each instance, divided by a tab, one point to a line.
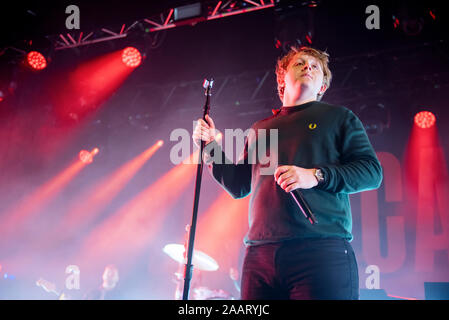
76	39
165	20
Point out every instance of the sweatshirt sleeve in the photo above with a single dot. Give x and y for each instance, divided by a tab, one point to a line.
359	169
234	178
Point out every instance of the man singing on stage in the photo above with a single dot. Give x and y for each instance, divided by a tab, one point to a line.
324	152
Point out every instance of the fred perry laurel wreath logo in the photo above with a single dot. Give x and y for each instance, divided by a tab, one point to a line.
312	126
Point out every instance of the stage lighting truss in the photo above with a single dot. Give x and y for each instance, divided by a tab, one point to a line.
210	11
167	19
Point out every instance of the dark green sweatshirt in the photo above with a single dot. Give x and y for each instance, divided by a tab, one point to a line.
311	135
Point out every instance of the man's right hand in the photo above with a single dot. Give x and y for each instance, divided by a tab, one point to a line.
204	131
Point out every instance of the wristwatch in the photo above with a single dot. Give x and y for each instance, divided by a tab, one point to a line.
319	176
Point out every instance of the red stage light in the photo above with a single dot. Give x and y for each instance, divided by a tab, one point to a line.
425	119
131	57
36	60
85	156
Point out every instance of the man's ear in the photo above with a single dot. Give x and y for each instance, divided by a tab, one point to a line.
323	89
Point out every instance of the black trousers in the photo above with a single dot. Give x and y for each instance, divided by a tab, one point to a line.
304	269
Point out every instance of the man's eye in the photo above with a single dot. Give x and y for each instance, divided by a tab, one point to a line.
315	66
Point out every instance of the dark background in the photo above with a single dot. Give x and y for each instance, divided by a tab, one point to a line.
403	69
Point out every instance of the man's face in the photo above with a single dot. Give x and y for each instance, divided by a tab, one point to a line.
304	74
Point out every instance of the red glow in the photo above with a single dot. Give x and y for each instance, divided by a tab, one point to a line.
427	186
425	119
93	200
396	22
278	44
125	233
83	90
309	40
36	60
226	219
29	207
432	14
131	57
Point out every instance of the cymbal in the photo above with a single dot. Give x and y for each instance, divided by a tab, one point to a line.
200	261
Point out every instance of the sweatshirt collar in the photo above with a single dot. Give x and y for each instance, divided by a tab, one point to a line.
289	110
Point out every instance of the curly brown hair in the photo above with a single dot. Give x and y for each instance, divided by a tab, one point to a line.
284	62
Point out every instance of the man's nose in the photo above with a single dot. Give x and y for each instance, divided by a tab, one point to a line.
307	66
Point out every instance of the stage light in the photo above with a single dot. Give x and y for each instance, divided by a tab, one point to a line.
160	143
187	11
86	156
425	119
189	14
36	60
131	57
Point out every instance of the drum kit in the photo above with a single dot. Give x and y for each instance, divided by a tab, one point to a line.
201	262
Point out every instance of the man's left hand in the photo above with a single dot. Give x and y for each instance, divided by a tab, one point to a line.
290	178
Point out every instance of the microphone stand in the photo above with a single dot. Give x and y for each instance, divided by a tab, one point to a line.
188	266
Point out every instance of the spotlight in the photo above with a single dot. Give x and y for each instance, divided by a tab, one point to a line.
36	60
160	143
189	14
425	119
131	57
86	156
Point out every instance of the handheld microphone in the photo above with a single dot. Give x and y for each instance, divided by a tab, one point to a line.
303	206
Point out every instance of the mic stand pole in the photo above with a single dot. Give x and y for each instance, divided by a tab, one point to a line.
188	271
